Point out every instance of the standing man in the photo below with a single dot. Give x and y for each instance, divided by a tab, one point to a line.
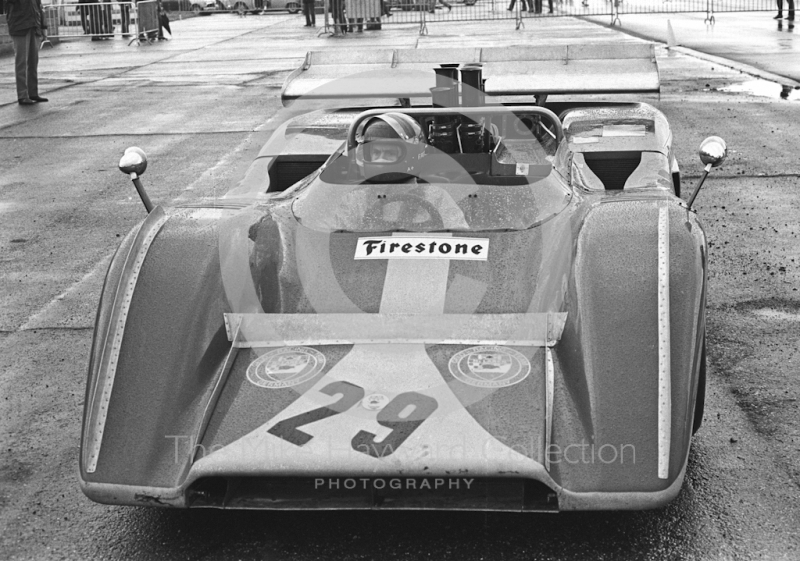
27	27
309	11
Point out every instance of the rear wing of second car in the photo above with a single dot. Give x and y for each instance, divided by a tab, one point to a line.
512	70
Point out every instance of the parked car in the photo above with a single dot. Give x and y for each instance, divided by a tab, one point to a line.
196	6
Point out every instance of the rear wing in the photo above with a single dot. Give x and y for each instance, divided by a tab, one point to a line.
512	70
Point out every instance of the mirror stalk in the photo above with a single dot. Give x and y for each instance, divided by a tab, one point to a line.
713	152
142	193
133	163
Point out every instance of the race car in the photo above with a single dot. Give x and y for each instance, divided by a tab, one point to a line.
464	296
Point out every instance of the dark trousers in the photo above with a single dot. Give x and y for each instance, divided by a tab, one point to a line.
125	17
26	63
108	22
337	11
524	5
84	11
791	8
308	11
163	23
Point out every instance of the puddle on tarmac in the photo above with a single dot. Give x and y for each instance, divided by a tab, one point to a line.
768	313
764	88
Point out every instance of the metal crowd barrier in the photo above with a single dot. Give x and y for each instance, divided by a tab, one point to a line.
103	20
423	12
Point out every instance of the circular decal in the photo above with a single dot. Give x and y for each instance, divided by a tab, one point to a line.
375	401
489	367
287	367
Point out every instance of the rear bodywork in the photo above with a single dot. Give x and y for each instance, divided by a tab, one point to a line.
245	356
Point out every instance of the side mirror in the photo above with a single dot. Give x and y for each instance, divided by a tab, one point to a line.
134	160
713	151
133	163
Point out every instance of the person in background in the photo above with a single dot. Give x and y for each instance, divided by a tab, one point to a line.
27	28
163	23
790	15
524	5
337	12
125	18
308	11
107	21
83	10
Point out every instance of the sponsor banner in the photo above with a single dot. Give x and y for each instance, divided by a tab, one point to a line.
402	247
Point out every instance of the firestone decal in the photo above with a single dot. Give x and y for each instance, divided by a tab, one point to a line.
489	367
287	367
407	247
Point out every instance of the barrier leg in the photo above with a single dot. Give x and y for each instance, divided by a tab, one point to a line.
423	26
615	14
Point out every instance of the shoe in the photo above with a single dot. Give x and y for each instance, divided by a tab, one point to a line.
509	9
39	98
779	16
449	8
26	101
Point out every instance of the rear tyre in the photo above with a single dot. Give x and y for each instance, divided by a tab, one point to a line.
700	401
196	9
293	8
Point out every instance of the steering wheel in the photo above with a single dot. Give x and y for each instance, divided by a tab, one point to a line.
411	205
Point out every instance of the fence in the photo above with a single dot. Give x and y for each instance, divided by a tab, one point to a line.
423	12
103	20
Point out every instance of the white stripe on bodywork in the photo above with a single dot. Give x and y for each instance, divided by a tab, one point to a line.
449	437
109	359
664	389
